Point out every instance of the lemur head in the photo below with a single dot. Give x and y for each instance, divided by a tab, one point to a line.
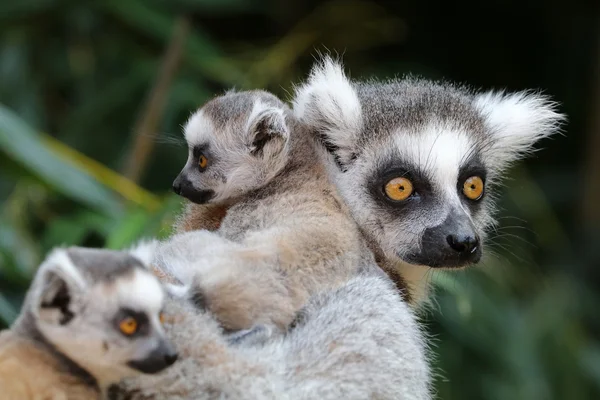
102	310
417	161
237	143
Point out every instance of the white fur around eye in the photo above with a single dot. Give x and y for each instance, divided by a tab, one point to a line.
197	129
143	292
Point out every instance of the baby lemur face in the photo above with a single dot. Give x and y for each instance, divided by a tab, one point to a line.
417	161
102	309
237	142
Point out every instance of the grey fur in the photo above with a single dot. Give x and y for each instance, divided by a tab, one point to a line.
285	234
70	321
100	265
359	341
437	135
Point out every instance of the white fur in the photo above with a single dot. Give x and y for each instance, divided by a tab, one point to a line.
198	128
143	292
334	105
517	121
59	262
144	250
275	115
439	151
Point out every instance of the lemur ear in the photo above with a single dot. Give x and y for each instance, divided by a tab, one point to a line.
516	121
329	105
55	284
267	129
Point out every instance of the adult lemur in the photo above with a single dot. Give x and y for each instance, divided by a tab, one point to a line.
285	245
417	161
91	318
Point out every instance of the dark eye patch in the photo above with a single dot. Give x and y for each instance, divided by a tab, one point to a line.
202	151
395	169
141	318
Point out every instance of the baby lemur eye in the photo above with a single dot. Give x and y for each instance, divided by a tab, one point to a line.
398	189
202	161
128	326
473	188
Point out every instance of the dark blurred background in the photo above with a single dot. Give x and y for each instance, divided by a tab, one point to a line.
93	94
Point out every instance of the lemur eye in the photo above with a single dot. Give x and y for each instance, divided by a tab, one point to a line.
128	326
473	188
398	189
162	318
202	161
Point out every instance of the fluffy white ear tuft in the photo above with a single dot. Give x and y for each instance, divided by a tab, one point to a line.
517	121
328	103
56	281
144	250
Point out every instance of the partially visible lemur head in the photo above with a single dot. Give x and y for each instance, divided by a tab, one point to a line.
417	161
99	311
237	143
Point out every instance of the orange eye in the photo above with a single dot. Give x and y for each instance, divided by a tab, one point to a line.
202	161
162	318
398	189
128	326
473	188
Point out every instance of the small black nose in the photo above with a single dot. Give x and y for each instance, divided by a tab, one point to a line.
171	358
177	186
160	358
463	244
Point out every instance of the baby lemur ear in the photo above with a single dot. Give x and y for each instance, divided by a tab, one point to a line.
515	122
56	283
268	131
327	102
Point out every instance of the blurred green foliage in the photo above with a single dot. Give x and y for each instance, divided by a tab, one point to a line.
522	326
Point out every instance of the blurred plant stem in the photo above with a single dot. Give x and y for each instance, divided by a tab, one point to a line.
109	178
146	127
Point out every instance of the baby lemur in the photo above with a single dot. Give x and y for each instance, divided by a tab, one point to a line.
284	235
90	318
417	161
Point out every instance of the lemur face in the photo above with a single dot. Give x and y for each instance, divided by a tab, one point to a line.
237	142
417	161
102	309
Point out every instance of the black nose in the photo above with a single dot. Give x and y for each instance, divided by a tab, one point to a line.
160	358
171	358
177	187
463	243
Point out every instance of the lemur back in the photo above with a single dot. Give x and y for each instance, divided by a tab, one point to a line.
359	341
285	233
90	318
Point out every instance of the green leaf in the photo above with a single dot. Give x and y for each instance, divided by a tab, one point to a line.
21	143
8	313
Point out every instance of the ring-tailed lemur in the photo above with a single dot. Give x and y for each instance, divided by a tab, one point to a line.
285	235
90	318
417	161
358	341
